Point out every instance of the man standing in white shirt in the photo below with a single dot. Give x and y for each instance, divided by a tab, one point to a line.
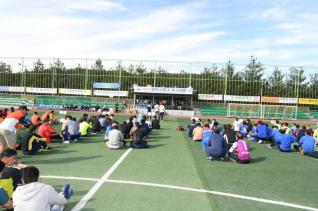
162	110
156	108
237	125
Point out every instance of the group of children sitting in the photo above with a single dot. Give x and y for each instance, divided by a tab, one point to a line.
221	140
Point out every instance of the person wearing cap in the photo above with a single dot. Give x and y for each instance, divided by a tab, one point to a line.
9	128
115	138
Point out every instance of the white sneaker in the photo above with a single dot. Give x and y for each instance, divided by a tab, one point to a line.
66	142
260	141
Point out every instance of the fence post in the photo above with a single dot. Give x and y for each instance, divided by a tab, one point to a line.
86	74
154	74
190	76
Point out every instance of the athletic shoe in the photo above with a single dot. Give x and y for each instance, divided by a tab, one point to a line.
222	159
260	141
67	191
269	146
233	160
208	158
47	149
66	142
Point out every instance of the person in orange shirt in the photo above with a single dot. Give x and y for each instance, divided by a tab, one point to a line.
1	117
36	120
47	131
45	116
9	128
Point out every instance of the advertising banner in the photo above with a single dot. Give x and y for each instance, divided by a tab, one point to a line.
11	89
98	85
237	98
308	101
285	100
270	99
110	93
210	97
75	91
41	90
163	90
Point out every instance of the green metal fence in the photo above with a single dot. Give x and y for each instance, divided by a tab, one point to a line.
251	79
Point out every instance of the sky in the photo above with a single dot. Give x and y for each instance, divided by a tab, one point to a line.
276	31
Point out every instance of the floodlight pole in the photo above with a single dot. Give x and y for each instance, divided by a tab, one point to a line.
86	75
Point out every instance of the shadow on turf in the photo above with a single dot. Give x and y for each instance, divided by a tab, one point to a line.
258	160
63	160
315	155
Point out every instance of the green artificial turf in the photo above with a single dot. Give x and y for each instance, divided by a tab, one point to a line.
174	159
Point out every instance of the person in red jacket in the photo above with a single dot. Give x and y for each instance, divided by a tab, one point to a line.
47	131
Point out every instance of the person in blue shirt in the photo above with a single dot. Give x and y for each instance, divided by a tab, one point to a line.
261	132
306	144
191	127
144	127
216	147
284	140
272	135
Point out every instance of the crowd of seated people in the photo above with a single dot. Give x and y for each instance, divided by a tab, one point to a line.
230	140
19	184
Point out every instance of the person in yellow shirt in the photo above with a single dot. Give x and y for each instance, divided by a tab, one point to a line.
198	132
316	136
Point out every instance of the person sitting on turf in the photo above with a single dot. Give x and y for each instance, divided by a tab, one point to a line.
306	144
47	131
46	116
33	195
301	132
108	129
12	168
1	117
249	125
237	125
32	142
71	130
261	132
144	126
316	136
191	127
229	136
240	150
284	140
155	123
123	128
83	118
197	132
5	201
130	123
216	147
138	137
244	129
207	132
84	127
285	127
36	119
115	138
96	127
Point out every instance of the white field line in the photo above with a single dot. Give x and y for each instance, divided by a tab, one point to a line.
100	182
70	178
267	201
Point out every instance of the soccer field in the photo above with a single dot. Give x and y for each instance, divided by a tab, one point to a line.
173	174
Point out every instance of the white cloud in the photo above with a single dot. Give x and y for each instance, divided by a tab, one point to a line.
275	13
